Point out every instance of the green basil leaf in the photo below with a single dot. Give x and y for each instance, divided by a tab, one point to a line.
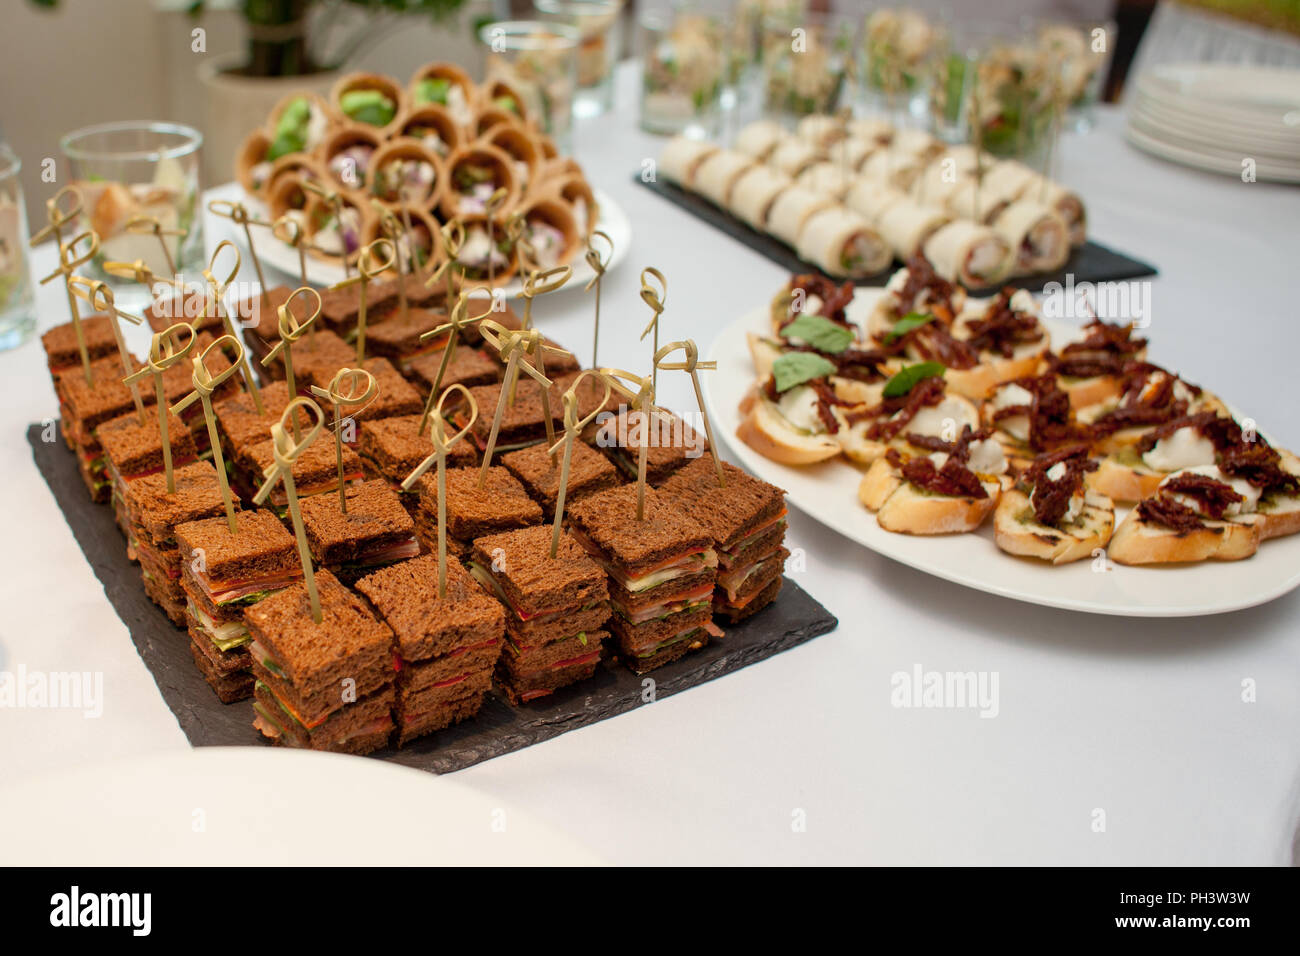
913	320
903	382
795	368
819	332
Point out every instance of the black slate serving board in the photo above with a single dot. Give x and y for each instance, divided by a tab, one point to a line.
498	729
1091	262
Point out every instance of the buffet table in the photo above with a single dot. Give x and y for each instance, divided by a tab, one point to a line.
1113	741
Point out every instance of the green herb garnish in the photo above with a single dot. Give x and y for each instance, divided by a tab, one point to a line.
913	320
795	368
819	332
903	382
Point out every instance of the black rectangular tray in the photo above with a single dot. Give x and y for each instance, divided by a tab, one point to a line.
1091	262
499	727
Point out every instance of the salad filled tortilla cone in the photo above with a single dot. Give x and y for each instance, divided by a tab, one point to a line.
444	85
252	168
474	173
287	195
333	235
489	118
433	126
484	240
403	170
421	242
348	154
502	95
551	231
576	191
521	146
369	98
297	165
299	123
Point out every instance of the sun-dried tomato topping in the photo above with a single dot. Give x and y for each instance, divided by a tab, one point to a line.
1051	420
921	277
1051	498
1201	421
834	297
953	479
891	415
1213	496
1141	404
1171	514
1001	328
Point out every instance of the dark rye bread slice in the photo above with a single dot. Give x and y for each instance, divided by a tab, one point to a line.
534	582
405	597
339	308
230	688
521	688
62	351
398	336
671	443
591	396
413	725
261	547
359	728
417	676
374	519
314	471
317	349
259	318
758	578
418	295
468	366
674	651
555	363
154	513
394	394
131	447
89	406
158	589
223	662
519	661
348	652
195	594
192	306
413	700
533	634
637	638
501	504
729	512
589	472
521	423
734	615
608	520
395	446
240	424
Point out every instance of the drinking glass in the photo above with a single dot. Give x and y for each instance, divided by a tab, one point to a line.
17	313
599	33
130	175
808	63
1080	53
899	46
538	61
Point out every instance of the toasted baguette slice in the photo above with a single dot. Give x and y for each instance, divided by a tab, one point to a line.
764	429
1089	391
858	447
903	508
763	352
1279	515
1142	542
1128	437
1018	533
1125	482
975	383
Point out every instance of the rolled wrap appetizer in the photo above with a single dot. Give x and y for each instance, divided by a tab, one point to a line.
759	138
718	174
969	253
974	201
1037	235
681	159
916	143
754	193
906	225
852	152
892	168
821	130
369	98
403	171
793	155
348	153
521	146
829	178
872	198
790	210
474	173
444	85
1010	180
551	232
432	126
843	244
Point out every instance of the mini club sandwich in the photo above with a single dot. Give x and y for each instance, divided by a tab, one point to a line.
374	531
339	308
222	576
84	408
391	448
747	519
468	366
915	402
178	381
950	490
315	472
522	423
1149	396
662	571
989	341
446	648
1215	512
1090	368
1030	416
326	686
240	425
1051	513
670	442
394	395
133	450
318	349
62	352
556	609
589	472
501	504
397	338
152	517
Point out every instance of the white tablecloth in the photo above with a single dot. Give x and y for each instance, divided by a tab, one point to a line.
1142	720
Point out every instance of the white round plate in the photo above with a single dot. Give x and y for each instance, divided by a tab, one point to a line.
1217	162
828	493
232	806
1278	147
1263	91
283	257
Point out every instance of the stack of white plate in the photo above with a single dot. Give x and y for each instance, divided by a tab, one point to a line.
1216	117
